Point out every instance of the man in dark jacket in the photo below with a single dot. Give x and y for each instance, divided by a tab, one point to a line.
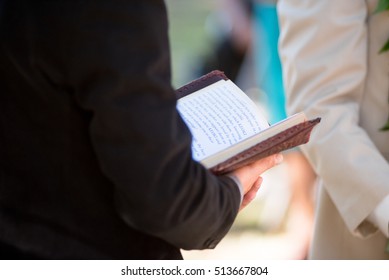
95	162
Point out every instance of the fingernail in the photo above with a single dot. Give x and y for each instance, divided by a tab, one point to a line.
279	158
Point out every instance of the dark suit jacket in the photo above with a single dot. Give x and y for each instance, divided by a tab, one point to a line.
95	162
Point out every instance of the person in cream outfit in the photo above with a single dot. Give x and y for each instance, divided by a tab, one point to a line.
332	68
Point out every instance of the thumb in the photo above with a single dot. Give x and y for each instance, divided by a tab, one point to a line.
266	163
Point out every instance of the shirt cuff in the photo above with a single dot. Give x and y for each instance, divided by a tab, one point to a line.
380	216
239	184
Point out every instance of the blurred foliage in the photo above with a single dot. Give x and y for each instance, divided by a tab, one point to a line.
188	37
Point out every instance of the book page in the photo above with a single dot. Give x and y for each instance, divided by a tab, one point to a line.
219	116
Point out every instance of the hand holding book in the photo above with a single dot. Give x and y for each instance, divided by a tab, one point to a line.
229	131
250	176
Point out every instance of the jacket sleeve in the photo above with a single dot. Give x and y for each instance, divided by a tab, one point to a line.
323	47
114	58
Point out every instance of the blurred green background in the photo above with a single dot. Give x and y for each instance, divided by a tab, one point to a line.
189	38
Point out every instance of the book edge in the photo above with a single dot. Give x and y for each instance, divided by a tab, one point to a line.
303	130
201	82
250	142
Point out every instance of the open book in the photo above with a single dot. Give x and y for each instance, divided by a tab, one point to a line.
228	128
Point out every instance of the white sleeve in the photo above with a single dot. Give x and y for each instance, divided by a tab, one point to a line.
380	216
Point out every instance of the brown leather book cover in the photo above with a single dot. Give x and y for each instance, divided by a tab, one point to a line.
287	139
200	83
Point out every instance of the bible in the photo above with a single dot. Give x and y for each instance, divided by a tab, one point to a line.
229	130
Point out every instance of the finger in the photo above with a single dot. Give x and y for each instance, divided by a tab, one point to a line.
248	174
251	194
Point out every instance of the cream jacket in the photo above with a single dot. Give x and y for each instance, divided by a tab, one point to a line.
332	69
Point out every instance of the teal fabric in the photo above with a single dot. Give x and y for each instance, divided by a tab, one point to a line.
267	62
